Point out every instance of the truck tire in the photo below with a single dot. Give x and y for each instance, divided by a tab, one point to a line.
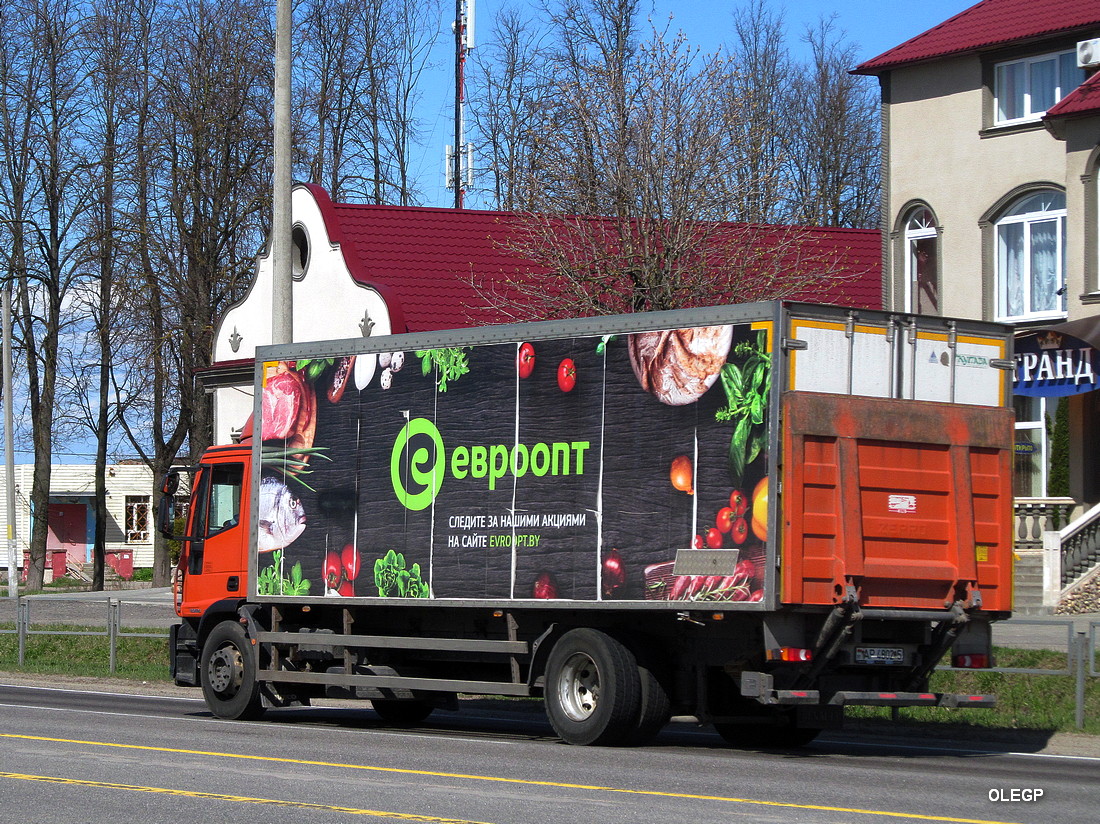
227	671
593	689
402	712
655	707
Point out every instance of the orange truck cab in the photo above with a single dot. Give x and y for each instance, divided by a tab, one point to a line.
211	575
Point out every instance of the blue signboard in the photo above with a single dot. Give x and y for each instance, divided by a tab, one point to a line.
1050	364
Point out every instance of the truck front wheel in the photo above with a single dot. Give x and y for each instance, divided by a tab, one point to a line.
593	690
227	671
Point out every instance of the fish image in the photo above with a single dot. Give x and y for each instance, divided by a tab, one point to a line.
282	518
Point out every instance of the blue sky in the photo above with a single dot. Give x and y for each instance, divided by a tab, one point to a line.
873	26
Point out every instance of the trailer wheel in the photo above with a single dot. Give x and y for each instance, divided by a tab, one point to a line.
655	707
401	712
593	689
227	670
764	736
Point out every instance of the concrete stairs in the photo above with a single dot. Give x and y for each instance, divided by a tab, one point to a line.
1028	574
83	573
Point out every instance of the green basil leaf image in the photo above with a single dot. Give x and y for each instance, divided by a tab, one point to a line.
739	446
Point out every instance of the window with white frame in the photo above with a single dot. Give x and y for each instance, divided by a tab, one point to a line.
138	508
1024	89
1031	266
921	262
1034	419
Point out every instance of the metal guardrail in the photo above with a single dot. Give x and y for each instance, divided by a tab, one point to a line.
1080	651
112	630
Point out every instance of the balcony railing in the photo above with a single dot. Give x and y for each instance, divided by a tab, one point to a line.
1079	544
1034	516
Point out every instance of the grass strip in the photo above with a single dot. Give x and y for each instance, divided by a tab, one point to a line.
141	659
1025	701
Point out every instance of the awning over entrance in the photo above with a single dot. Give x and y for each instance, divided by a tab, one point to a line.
1058	361
1086	329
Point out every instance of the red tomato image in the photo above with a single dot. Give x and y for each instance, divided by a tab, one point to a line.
567	375
525	360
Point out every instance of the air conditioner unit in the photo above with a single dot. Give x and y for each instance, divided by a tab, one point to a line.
1088	53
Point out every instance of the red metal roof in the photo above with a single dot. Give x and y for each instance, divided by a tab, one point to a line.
987	24
428	259
1084	100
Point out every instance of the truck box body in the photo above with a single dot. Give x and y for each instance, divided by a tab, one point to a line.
463	476
754	514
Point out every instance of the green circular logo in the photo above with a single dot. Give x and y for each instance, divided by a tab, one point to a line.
417	464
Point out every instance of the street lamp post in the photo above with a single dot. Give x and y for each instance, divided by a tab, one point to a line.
9	446
282	313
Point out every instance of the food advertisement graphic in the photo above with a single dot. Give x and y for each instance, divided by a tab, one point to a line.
587	468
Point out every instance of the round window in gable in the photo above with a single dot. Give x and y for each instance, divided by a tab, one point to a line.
299	251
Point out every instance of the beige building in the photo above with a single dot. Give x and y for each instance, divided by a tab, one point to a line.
991	152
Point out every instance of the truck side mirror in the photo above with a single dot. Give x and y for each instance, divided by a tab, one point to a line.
166	506
171	483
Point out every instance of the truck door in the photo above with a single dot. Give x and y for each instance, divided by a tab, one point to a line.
215	560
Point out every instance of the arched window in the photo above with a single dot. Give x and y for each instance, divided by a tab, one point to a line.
922	289
1031	265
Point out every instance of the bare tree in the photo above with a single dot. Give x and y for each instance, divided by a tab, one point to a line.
598	76
413	34
629	208
44	198
339	54
112	51
215	140
134	179
202	138
833	154
760	84
358	86
512	100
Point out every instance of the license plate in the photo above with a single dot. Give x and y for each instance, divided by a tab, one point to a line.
880	655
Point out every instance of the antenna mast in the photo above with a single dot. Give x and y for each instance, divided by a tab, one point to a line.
459	158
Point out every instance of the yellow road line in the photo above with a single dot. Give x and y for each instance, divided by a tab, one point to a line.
503	780
50	779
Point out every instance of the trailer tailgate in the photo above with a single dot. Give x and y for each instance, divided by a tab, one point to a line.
909	504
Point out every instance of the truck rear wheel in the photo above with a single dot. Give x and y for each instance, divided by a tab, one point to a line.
593	689
227	670
655	707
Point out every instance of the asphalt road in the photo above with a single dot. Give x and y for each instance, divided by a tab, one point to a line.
73	756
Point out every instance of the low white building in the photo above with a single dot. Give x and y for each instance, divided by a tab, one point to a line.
71	518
